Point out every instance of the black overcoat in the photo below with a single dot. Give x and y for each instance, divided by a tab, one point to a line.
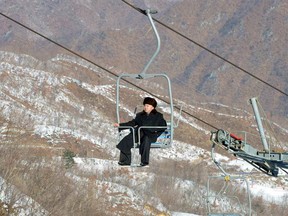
143	119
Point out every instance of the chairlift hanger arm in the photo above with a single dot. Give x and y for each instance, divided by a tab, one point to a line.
148	13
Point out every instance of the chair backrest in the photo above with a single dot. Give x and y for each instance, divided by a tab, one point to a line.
164	140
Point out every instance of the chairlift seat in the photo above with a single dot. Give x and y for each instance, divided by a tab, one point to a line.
163	141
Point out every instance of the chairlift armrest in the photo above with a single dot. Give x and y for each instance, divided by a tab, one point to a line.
127	127
143	127
121	128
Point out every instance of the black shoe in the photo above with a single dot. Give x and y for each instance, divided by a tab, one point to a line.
143	164
123	163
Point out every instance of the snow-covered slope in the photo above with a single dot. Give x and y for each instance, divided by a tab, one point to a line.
53	105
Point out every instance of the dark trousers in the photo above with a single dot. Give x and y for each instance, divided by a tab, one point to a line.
125	149
125	146
125	157
144	149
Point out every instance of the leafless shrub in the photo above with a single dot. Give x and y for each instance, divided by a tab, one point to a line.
47	182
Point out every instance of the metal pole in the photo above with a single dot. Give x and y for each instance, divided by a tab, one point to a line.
259	123
149	12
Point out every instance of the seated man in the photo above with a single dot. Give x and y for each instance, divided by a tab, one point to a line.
148	117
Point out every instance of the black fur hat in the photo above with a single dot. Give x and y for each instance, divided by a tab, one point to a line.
151	101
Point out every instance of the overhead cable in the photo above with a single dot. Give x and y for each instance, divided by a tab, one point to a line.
103	68
208	50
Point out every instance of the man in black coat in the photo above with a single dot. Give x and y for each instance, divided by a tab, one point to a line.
148	117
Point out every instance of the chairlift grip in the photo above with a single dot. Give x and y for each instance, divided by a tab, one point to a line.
151	11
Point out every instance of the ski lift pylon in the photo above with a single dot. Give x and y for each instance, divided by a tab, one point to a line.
166	138
266	160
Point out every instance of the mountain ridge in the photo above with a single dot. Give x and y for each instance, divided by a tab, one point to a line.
57	101
211	76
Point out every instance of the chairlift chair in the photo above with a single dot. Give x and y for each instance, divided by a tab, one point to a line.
229	185
166	138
